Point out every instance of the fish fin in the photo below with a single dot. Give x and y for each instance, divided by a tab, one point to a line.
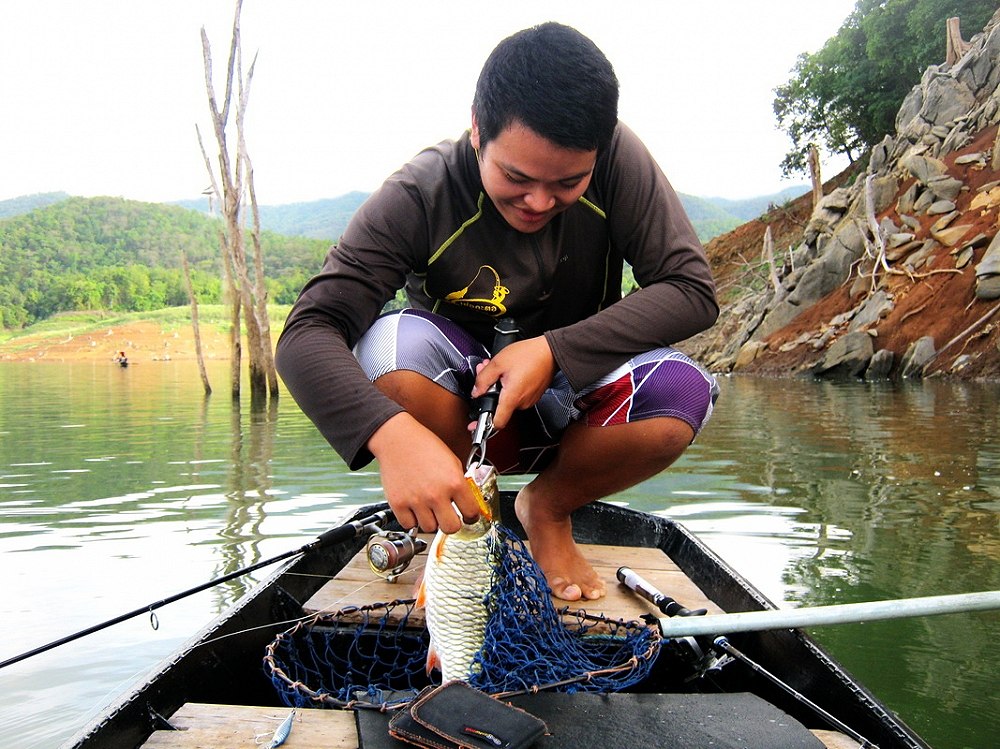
420	593
433	662
439	546
420	589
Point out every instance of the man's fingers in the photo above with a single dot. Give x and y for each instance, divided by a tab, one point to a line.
470	512
503	413
483	384
406	519
450	522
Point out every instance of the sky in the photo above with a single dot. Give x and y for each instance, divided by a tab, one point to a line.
101	97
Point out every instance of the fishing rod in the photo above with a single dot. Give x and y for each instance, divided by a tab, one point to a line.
723	644
845	613
363	526
389	553
639	585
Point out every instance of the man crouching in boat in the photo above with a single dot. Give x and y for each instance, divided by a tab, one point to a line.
530	215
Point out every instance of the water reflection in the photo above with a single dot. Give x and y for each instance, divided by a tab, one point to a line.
122	486
870	492
897	472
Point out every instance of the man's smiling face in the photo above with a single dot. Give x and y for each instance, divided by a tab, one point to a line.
529	178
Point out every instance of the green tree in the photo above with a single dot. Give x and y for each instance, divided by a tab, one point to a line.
115	254
844	98
12	307
74	291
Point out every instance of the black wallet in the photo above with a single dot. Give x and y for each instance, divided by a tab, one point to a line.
457	716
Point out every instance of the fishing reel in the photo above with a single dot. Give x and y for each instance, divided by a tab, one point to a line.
697	653
390	552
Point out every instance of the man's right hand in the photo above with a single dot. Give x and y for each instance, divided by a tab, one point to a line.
424	481
525	369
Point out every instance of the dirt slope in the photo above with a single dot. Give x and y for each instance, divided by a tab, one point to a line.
936	300
142	341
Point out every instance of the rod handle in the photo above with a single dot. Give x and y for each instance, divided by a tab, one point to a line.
505	332
636	583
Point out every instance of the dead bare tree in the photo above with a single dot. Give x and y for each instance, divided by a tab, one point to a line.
767	253
193	300
955	45
814	174
260	288
875	250
248	299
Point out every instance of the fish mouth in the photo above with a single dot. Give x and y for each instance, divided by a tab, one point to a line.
483	480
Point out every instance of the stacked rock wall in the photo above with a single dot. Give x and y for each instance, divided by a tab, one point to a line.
925	210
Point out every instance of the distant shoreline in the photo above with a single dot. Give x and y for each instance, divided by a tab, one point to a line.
163	335
140	341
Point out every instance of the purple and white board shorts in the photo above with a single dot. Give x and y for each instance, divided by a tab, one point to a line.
661	382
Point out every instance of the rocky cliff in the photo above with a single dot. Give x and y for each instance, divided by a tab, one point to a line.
896	271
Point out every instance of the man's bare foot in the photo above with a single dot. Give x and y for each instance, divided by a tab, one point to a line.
568	573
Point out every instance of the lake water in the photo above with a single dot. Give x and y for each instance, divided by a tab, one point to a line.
119	487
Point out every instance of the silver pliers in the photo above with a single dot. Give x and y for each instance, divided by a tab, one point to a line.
506	332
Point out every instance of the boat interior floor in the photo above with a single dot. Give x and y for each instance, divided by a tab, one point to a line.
573	720
357	585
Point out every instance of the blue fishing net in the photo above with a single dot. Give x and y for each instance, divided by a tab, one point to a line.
374	656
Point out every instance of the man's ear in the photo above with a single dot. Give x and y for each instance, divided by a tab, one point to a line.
474	137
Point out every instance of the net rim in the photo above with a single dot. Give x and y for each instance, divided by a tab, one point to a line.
277	672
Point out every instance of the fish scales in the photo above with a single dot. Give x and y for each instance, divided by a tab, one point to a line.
457	579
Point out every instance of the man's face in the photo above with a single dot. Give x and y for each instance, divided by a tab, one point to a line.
529	178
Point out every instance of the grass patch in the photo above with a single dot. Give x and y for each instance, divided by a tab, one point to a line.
75	324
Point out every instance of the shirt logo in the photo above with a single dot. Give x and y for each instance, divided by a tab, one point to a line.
478	296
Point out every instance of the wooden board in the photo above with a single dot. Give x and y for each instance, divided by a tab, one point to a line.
237	727
357	585
234	727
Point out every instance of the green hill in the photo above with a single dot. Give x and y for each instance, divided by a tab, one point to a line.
124	255
318	219
60	253
751	208
709	220
25	203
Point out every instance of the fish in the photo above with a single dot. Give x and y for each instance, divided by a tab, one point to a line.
280	733
457	579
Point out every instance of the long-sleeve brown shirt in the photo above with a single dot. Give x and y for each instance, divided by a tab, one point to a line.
432	229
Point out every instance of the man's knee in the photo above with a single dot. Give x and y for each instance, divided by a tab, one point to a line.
659	438
423	343
674	436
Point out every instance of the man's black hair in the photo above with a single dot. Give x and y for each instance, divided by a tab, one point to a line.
552	79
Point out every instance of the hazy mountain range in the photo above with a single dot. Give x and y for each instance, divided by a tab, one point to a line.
327	218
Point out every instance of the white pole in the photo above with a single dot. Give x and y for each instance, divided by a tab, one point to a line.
846	613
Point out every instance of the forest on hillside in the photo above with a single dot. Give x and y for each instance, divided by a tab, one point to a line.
123	255
60	253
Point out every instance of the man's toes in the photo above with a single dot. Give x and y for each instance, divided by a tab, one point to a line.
565	590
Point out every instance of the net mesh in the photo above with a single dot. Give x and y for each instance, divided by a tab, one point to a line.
374	656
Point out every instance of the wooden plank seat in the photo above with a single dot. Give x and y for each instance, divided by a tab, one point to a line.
357	585
238	726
